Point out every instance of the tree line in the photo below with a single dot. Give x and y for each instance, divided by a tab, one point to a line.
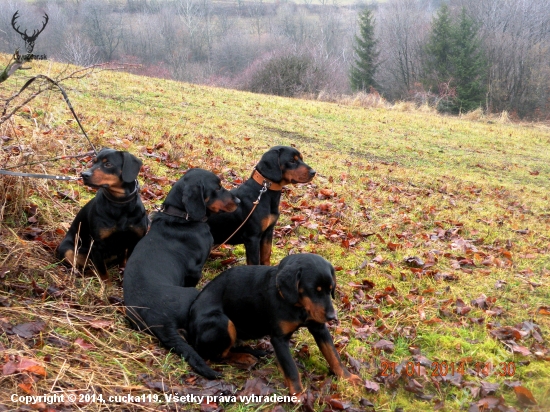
457	55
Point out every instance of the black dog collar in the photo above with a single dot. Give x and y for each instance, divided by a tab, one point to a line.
124	199
177	212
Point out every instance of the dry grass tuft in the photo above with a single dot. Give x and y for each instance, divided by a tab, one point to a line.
504	118
404	106
426	108
13	192
361	99
474	115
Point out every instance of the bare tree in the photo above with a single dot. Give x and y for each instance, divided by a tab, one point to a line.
78	50
293	23
256	10
196	17
516	37
403	27
103	27
330	29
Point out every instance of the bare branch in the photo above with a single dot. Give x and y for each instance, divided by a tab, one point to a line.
77	74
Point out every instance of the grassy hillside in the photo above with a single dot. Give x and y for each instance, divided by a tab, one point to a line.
438	228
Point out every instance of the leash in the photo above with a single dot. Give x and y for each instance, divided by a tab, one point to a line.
255	203
66	98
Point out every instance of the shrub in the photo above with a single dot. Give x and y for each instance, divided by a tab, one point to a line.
287	74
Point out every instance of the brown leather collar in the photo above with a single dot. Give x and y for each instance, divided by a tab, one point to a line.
258	178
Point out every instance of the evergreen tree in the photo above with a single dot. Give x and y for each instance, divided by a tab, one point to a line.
363	69
469	66
439	47
455	59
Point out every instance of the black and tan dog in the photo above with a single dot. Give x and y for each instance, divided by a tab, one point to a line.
112	222
249	302
279	166
167	263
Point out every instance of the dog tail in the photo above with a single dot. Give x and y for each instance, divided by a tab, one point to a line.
172	339
169	336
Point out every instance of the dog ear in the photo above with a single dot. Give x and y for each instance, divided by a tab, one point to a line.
130	167
193	199
269	166
287	280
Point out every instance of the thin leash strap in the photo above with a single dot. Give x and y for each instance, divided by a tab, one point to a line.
255	203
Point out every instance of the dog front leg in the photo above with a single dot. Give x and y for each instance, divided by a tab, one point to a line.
252	246
265	247
99	264
325	343
287	364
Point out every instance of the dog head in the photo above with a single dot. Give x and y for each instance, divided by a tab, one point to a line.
200	192
308	281
285	165
111	169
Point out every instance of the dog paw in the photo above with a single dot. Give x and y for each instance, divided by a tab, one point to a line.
207	372
306	400
355	379
210	374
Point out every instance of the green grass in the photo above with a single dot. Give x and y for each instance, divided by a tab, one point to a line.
436	187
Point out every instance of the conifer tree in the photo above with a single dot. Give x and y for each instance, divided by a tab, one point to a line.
455	59
363	69
469	65
440	44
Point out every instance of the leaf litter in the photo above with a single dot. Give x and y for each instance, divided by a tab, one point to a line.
408	260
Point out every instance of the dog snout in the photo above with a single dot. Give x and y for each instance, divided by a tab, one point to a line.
86	174
312	173
332	317
236	200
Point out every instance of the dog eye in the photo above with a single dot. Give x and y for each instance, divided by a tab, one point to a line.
108	164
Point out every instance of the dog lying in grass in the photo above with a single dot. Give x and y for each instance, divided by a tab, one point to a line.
110	225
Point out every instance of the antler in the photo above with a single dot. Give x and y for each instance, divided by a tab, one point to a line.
29	40
13	19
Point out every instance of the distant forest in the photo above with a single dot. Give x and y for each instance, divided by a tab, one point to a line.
295	49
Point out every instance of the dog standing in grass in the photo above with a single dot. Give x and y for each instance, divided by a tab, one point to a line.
110	225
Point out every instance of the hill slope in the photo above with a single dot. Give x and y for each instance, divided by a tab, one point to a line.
438	226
